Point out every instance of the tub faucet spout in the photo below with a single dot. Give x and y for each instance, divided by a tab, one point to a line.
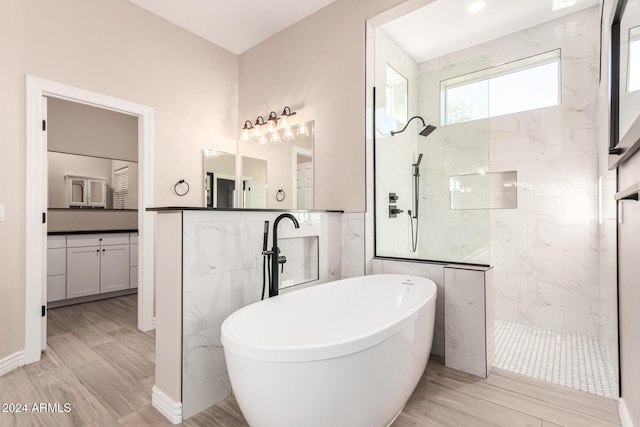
274	284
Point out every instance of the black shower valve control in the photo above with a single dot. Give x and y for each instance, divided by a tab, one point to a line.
393	197
281	260
394	211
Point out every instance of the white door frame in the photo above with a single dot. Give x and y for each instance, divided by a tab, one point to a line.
36	195
306	153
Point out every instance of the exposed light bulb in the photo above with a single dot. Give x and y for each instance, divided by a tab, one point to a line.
262	140
257	133
477	6
288	135
275	138
302	130
245	136
271	126
284	122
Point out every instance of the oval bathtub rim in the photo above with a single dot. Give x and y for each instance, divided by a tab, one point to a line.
309	353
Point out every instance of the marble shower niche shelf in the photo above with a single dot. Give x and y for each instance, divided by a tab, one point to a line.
494	190
302	264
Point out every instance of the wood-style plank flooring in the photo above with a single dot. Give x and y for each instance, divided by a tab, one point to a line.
98	362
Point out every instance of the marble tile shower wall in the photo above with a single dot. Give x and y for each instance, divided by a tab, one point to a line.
545	252
608	215
222	266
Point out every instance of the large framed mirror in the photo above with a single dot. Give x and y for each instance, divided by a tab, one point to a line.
625	82
219	174
78	181
278	175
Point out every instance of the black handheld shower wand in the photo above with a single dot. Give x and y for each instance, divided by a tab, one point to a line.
266	258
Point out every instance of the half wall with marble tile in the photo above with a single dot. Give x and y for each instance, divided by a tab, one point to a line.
209	265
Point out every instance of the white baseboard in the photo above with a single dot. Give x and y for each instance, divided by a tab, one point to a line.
168	407
625	418
11	362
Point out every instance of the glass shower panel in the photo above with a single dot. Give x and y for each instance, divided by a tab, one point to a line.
414	218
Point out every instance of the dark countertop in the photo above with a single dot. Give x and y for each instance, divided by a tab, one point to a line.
90	210
61	233
197	208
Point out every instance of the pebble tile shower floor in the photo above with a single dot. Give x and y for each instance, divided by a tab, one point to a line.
577	361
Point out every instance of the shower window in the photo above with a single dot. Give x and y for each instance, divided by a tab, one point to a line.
397	96
521	85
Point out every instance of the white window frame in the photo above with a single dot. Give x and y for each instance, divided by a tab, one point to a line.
487	74
121	188
634	37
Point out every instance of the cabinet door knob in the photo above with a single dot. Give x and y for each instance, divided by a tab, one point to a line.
103	250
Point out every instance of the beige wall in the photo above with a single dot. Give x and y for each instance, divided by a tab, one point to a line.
91	220
317	68
81	129
117	49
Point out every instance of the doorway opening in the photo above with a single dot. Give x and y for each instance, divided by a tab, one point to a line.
37	207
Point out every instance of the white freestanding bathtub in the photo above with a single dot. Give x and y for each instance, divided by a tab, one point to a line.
347	353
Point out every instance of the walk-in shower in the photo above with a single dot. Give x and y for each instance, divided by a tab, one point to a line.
413	212
509	179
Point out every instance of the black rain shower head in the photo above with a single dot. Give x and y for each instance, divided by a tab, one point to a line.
425	131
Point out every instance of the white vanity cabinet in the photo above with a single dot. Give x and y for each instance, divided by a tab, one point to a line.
56	268
133	260
114	266
97	263
83	271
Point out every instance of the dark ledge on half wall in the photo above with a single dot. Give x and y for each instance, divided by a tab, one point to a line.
196	208
61	233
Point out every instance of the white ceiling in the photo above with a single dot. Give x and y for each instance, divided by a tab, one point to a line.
235	25
446	26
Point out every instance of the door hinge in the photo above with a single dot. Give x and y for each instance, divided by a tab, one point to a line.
44	217
44	311
44	125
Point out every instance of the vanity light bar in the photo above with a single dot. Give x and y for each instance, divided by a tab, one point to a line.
274	124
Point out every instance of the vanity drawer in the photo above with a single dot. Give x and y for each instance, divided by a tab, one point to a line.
55	242
115	239
79	240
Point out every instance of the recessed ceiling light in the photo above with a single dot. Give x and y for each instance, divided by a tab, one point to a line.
561	4
477	6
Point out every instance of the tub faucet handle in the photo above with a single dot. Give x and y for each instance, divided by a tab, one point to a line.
281	260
